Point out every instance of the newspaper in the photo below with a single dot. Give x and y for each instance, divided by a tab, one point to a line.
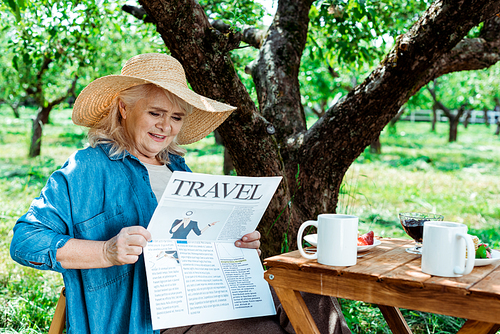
195	273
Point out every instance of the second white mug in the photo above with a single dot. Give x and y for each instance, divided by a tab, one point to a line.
443	251
337	239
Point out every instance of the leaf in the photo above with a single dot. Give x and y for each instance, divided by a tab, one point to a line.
26	59
14	8
14	62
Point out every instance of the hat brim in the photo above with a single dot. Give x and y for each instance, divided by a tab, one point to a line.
91	105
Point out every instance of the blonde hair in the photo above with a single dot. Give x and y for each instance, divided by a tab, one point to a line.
109	130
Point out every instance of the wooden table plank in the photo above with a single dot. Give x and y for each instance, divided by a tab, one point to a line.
386	255
490	284
397	295
409	274
292	261
388	260
464	282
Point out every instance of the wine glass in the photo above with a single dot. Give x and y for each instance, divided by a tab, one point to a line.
413	224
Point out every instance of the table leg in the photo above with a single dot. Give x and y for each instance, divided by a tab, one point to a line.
395	319
297	311
479	327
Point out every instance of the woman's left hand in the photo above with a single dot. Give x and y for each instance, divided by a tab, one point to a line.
250	240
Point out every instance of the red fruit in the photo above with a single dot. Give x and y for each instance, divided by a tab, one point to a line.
366	239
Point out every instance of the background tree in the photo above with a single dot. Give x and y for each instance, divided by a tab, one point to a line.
274	138
57	48
453	117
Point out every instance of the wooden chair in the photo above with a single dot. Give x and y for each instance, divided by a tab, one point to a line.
59	319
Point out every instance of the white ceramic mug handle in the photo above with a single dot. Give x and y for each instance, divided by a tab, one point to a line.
471	255
299	239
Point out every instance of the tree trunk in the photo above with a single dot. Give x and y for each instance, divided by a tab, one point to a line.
42	116
452	136
454	121
228	165
486	119
396	118
15	109
376	146
468	114
434	117
37	127
273	139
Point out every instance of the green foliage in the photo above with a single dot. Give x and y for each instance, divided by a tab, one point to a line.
345	40
56	42
235	13
360	31
476	89
16	7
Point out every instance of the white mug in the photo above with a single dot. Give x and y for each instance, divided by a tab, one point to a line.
337	239
443	250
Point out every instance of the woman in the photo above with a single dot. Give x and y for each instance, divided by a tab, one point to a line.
89	222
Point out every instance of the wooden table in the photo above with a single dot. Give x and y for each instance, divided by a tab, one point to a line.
391	278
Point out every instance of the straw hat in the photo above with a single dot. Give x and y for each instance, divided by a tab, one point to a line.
163	71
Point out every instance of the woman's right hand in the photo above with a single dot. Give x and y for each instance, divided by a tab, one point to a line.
126	247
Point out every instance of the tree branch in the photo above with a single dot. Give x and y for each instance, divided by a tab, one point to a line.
248	34
138	12
70	91
469	54
411	64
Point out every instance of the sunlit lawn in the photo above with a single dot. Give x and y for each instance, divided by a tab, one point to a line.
417	171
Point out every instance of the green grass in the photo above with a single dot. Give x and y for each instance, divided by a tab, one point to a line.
417	171
459	180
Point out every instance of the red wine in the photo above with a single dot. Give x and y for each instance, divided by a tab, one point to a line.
414	228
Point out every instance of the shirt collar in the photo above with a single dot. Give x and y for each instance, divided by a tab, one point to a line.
107	149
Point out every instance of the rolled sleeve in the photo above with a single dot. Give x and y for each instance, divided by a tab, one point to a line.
40	232
35	242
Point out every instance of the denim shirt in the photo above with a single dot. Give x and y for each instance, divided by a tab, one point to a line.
93	196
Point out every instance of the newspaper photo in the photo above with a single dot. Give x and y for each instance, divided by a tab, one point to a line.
195	272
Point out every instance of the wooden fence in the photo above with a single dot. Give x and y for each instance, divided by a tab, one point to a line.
477	116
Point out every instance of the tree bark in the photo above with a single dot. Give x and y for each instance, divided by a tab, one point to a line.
434	117
453	119
42	117
486	119
376	146
37	128
228	165
468	114
273	139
